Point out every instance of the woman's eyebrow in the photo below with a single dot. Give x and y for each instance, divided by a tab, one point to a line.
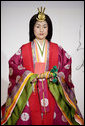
40	24
37	24
45	24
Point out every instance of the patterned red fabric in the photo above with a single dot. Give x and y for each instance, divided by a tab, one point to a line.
36	111
3	110
34	100
35	108
48	117
27	57
17	69
53	55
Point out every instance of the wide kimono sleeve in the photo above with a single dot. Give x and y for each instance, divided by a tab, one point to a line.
64	66
16	69
19	79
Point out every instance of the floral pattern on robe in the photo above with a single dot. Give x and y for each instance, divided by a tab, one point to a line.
16	71
16	68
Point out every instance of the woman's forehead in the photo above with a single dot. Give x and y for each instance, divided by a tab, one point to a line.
41	23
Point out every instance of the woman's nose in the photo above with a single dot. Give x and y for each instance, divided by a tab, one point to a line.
41	29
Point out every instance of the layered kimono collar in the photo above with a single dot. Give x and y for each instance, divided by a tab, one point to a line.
41	45
41	49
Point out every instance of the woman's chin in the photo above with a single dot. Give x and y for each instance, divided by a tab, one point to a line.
41	38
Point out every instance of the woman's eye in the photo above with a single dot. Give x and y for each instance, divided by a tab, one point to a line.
37	26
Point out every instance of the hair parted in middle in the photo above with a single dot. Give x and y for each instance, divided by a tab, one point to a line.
31	27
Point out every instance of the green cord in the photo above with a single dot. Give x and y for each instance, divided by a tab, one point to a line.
42	51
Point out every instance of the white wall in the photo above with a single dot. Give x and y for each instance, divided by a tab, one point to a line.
68	31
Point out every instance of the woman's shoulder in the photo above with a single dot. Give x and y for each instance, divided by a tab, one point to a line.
26	44
61	50
56	44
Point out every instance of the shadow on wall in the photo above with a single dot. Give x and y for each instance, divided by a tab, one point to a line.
79	49
4	78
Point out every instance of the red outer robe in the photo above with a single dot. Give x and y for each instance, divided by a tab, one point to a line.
34	100
58	57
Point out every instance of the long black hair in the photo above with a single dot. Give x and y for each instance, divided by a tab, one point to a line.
31	27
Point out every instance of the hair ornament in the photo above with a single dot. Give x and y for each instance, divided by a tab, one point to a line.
41	15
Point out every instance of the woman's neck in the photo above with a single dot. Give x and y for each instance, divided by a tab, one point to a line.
40	41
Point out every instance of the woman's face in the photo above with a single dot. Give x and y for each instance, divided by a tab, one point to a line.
41	29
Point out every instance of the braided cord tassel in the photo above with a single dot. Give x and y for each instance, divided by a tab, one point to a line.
54	73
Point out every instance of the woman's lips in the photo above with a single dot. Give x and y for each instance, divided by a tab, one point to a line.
41	34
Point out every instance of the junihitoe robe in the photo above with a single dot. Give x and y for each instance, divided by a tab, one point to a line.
25	106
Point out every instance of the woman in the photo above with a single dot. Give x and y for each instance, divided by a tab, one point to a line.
39	93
